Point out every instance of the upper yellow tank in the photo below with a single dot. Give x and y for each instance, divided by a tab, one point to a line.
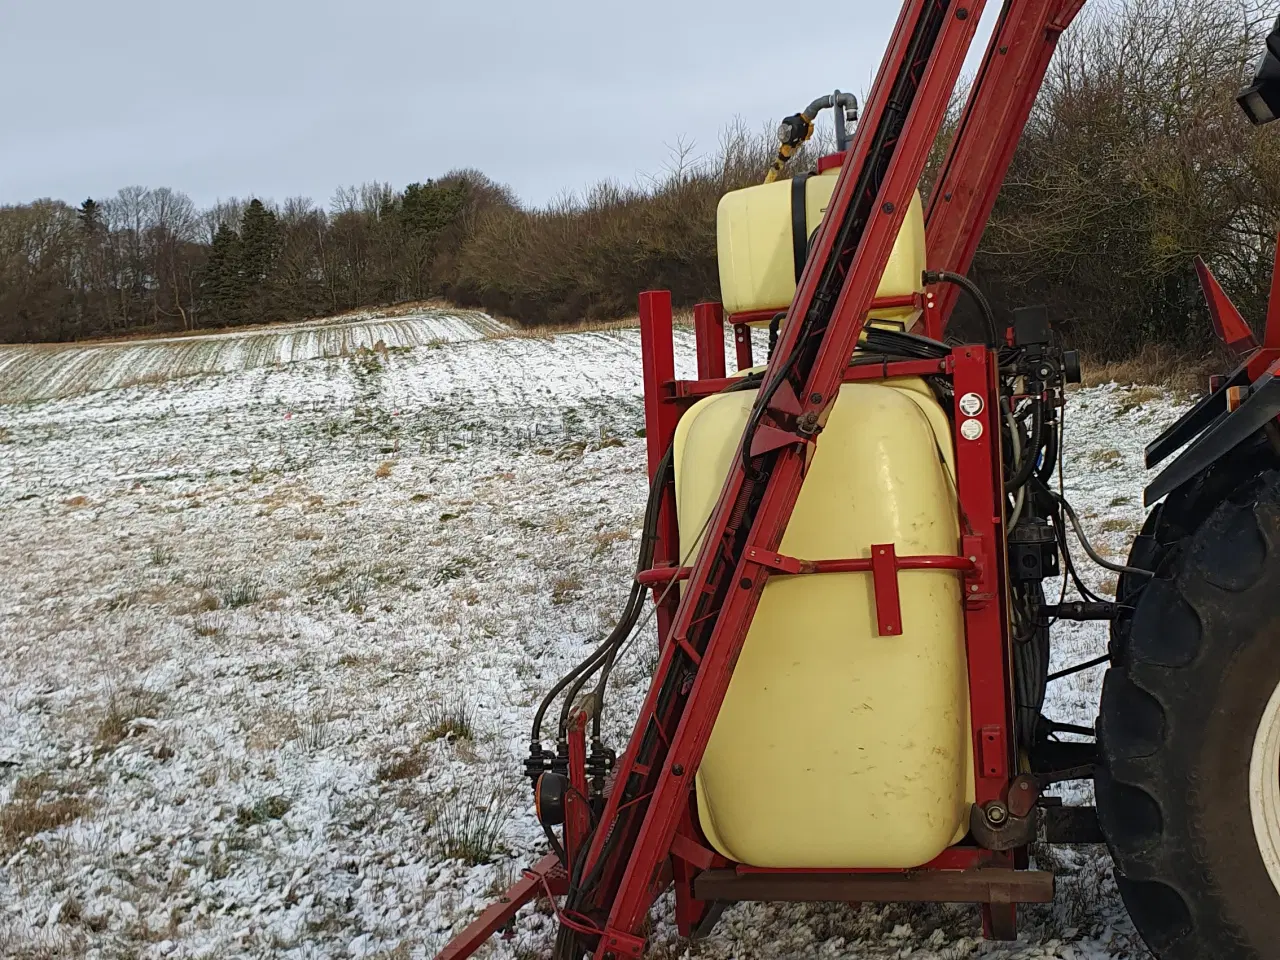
754	244
836	747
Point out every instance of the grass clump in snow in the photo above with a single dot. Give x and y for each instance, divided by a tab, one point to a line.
405	767
451	720
35	807
124	711
268	808
566	590
453	570
241	593
469	822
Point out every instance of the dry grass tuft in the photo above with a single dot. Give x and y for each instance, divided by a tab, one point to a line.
269	808
36	807
566	590
406	766
1104	456
451	720
1117	526
469	822
384	470
1156	366
604	539
124	711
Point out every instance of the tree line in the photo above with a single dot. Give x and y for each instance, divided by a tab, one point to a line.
1136	159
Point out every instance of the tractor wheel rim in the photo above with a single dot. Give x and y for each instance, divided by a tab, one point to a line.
1264	788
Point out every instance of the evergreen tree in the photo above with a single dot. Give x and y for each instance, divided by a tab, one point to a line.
259	243
90	217
222	284
259	252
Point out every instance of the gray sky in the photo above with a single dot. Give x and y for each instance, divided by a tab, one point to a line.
278	98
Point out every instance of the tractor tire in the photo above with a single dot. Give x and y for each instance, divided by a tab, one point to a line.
1169	525
1188	791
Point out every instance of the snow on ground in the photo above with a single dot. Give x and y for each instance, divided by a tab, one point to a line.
53	371
241	614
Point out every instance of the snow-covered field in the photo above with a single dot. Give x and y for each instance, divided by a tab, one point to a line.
247	618
55	371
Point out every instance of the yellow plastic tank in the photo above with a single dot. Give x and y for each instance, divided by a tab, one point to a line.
836	747
754	241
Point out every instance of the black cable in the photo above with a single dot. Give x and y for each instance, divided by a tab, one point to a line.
905	344
1080	667
1055	521
556	848
1088	547
635	601
975	294
644	560
774	325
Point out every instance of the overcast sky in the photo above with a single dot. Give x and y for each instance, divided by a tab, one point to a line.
278	98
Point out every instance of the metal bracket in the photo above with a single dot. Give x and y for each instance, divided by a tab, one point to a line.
995	828
769	438
778	561
977	588
615	944
692	852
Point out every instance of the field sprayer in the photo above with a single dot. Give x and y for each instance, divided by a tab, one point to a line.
846	548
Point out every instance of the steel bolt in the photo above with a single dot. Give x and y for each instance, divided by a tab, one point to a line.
996	812
888	207
745	583
678	770
815	398
962	13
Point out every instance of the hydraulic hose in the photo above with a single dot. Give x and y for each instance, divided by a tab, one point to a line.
1084	541
631	610
1028	462
975	294
796	129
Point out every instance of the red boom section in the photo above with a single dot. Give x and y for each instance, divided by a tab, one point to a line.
994	116
623	871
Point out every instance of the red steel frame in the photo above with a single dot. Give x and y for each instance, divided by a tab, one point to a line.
704	629
981	563
726	581
994	116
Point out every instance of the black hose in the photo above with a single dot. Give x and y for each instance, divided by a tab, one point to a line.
1045	470
631	611
975	293
635	601
774	326
897	342
1088	547
1024	470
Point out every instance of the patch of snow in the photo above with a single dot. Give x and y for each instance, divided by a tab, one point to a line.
51	371
230	606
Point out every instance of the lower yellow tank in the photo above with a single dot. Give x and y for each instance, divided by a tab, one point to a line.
836	747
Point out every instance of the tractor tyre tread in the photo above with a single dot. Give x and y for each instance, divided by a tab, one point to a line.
1172	792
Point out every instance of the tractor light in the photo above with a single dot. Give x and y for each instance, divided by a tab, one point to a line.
1253	102
1261	99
